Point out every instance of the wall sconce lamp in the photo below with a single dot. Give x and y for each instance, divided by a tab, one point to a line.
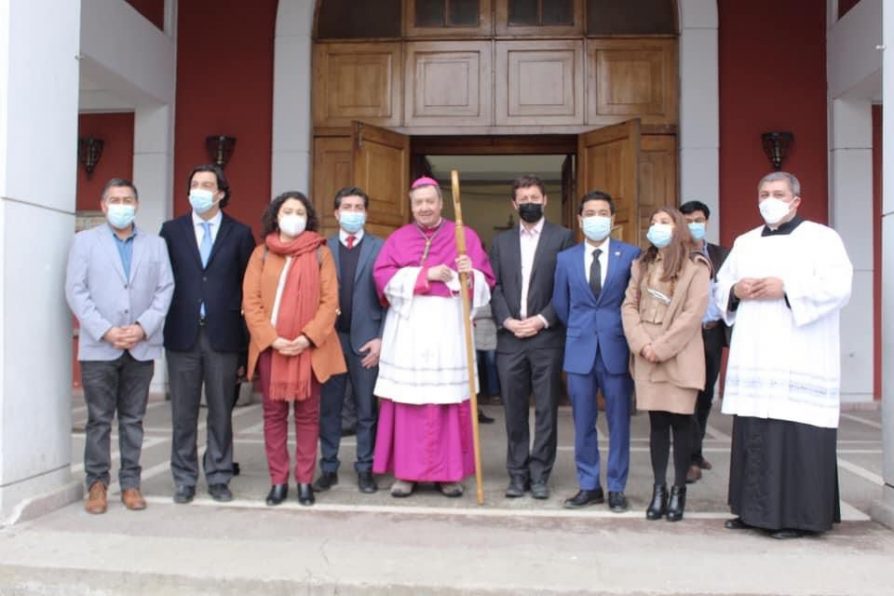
220	149
776	146
89	152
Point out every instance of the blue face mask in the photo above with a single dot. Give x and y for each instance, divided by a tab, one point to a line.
597	227
201	200
120	216
660	234
697	229
351	221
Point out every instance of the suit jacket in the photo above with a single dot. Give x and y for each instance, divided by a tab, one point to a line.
260	285
593	323
102	297
505	259
367	314
219	285
717	255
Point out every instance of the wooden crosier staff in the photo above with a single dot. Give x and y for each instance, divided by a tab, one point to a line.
465	285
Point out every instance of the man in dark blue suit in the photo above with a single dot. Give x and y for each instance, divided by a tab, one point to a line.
204	333
591	279
359	326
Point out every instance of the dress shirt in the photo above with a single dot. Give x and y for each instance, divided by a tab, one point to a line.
125	249
603	259
197	224
528	240
343	237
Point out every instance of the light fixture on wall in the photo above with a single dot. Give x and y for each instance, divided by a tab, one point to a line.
89	153
220	148
776	146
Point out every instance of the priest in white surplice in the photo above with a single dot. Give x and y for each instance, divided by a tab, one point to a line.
783	286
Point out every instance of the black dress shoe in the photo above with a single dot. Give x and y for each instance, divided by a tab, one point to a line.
326	481
540	490
484	418
220	493
516	488
676	504
305	494
788	534
277	494
184	494
236	469
584	498
348	431
736	524
658	506
617	502
366	483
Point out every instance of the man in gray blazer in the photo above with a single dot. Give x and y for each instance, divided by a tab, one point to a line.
359	326
119	285
530	339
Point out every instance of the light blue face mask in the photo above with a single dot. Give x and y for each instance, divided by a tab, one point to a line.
120	216
201	200
351	221
660	234
697	229
597	227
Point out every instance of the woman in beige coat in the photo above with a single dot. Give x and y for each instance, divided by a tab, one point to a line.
662	314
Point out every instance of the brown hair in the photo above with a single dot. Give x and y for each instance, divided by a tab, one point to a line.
677	252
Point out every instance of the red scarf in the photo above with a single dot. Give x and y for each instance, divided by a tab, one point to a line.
290	376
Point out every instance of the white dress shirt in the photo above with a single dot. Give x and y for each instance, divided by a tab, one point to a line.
343	237
528	240
589	251
200	229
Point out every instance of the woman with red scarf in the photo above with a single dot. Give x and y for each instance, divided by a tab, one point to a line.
290	299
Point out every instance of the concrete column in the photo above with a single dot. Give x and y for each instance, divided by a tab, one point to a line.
291	96
700	107
38	161
153	173
883	510
850	211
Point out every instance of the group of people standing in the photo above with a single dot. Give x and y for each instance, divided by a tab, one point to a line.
309	314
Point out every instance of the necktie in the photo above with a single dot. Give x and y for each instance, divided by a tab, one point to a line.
596	273
205	252
205	247
351	239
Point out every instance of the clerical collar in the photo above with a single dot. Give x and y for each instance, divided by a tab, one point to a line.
427	231
785	229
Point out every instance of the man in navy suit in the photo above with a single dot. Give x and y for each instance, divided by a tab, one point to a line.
204	334
591	279
359	327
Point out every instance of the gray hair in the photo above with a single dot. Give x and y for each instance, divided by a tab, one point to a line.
793	183
119	183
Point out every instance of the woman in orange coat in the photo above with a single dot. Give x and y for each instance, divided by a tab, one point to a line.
290	300
662	315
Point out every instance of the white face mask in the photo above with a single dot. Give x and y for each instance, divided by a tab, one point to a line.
292	225
774	210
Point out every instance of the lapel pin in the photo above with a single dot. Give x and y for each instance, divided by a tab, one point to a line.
617	253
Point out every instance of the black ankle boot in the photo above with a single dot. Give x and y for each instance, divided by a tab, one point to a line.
676	504
305	494
658	506
277	494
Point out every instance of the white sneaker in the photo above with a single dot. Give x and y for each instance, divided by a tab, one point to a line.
451	489
402	488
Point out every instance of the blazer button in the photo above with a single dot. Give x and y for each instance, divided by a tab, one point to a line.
125	286
204	278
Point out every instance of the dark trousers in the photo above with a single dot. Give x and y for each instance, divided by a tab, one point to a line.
522	372
363	380
188	371
488	378
276	429
120	386
584	410
714	340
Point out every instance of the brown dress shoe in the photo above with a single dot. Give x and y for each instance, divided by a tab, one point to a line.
694	474
132	499
96	498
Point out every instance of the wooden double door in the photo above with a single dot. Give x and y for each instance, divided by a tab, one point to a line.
636	165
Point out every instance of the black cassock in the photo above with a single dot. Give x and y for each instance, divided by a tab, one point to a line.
784	475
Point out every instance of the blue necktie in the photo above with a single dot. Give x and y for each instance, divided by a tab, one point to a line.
205	252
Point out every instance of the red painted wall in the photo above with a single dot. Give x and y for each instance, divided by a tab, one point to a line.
153	10
877	249
225	86
116	131
846	5
772	77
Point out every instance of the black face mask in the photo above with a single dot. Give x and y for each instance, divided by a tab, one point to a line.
530	212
